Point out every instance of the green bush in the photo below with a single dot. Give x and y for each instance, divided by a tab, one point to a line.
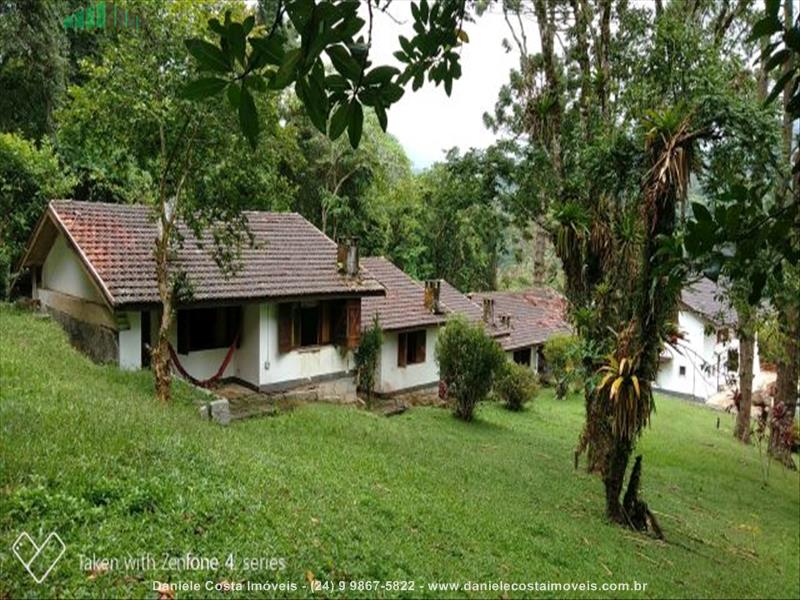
367	356
468	362
29	178
516	385
562	361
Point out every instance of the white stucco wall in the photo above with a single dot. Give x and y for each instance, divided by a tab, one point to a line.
203	363
301	364
63	272
392	378
703	358
130	342
248	355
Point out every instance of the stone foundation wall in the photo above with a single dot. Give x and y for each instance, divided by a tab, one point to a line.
97	342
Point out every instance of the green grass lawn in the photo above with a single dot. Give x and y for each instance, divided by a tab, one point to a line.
347	495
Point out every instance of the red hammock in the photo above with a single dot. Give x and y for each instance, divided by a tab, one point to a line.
215	377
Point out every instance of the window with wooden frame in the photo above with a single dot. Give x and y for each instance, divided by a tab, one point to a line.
310	324
523	357
411	347
208	328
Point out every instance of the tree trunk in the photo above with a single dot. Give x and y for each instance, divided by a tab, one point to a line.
746	351
539	252
614	478
161	363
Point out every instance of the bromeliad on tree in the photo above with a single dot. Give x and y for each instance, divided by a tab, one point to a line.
631	407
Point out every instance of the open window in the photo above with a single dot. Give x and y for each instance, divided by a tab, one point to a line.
523	357
411	347
311	324
208	328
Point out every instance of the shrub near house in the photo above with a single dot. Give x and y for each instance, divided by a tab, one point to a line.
516	385
468	361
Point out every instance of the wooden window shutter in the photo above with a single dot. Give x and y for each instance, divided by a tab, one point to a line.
338	317
296	325
183	332
402	342
324	336
285	327
421	339
353	323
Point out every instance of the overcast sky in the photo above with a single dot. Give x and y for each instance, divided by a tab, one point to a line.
427	122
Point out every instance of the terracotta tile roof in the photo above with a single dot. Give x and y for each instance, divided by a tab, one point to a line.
290	257
404	304
536	315
708	299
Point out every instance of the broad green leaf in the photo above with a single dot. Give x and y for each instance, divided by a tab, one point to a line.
215	26
287	71
779	86
300	12
700	212
381	74
391	93
234	96
343	62
778	59
203	88
248	24
315	101
208	55
271	48
336	82
380	112
339	120
407	46
356	123
766	26
237	40
248	117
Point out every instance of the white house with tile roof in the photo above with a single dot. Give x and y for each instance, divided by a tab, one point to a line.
288	316
412	313
705	361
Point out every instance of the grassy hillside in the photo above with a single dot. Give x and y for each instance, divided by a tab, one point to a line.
346	495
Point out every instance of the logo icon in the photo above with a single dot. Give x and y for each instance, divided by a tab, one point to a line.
38	560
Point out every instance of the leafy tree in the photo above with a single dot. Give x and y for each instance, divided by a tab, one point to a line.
338	184
29	178
463	216
760	217
629	78
469	360
33	65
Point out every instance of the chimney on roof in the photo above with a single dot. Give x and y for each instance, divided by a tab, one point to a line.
488	311
505	320
347	256
433	288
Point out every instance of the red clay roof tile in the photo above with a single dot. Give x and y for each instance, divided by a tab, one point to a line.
289	256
